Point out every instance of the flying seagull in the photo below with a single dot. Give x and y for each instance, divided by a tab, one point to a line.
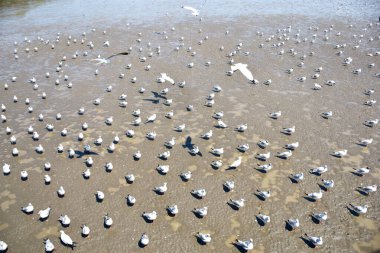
243	69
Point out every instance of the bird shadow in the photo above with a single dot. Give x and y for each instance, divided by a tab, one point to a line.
195	195
214	154
315	220
322	187
162	158
188	143
309	199
315	173
362	192
286	133
161	173
98	200
106	226
158	95
136	158
293	180
147	220
43	219
158	192
197	214
260	221
233	207
356	174
154	101
214	167
307	242
259	196
47	183
352	211
288	227
231	168
169	213
281	157
239	248
261	170
80	154
261	159
226	189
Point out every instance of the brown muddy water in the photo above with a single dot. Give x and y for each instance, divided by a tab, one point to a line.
241	102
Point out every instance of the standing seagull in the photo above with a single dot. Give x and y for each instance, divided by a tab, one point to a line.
66	239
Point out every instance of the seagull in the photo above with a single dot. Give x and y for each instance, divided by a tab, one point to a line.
131	200
293	223
130	132
264	167
150	216
151	118
362	171
263	156
207	135
28	209
263	143
201	212
65	220
87	173
161	189
195	150
263	194
229	185
216	88
339	153
285	154
289	130
49	246
359	209
221	124
194	11
327	115
61	192
371	123
169	114
368	189
321	217
236	163
151	135
109	121
99	196
317	86
315	195
85	230
264	218
328	183
217	151
218	115
136	113
44	214
370	102
163	169
66	239
186	176
47	179
180	128
217	164
245	245
292	146
369	92
238	203
243	147
275	115
242	127
315	240
173	210
243	69
205	238
144	240
319	170
15	152
130	178
200	193
89	161
107	221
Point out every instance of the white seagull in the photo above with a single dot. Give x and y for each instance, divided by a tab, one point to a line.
194	11
243	69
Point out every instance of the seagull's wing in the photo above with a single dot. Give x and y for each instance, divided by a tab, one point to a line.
246	72
169	79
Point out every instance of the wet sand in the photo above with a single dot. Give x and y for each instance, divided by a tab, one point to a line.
241	102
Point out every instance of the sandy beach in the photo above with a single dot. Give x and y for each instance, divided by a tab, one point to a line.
267	43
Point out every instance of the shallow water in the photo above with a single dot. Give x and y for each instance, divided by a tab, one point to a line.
241	101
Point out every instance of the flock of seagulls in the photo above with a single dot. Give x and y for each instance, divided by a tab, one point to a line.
285	36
